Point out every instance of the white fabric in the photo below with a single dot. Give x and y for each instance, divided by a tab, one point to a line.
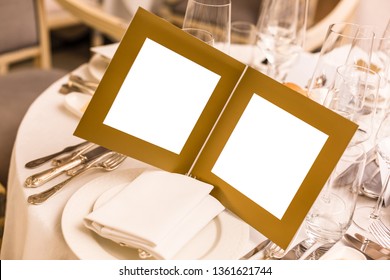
34	231
158	212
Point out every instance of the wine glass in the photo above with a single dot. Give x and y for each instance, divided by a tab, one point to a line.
281	33
213	16
243	39
380	62
332	212
345	43
353	85
365	215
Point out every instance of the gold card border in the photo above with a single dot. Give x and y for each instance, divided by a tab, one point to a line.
339	130
146	25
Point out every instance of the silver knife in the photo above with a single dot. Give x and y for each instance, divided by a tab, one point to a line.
370	252
372	244
42	160
40	178
61	160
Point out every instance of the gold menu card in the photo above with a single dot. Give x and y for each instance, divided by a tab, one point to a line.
176	103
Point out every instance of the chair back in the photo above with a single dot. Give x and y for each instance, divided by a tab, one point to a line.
323	14
23	33
92	14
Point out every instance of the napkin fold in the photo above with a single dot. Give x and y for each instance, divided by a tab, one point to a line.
374	175
158	212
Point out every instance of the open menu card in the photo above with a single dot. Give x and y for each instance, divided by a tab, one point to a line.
176	103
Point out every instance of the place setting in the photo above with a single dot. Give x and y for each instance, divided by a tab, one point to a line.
188	161
202	229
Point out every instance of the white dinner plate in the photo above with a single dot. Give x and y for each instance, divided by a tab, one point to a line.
225	237
97	66
76	103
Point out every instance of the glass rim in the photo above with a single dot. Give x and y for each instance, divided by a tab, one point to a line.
356	152
223	3
375	30
249	26
364	68
357	28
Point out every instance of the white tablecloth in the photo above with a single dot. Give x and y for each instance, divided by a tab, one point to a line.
34	231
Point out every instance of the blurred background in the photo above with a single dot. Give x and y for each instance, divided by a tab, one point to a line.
71	38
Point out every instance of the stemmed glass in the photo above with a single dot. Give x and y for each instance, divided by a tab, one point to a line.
281	33
243	39
345	43
353	85
365	215
331	214
380	62
213	16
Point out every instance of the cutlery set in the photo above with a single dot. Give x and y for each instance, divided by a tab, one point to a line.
380	232
76	83
298	252
72	161
268	250
371	249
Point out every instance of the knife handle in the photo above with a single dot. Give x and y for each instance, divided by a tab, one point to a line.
43	196
37	162
40	178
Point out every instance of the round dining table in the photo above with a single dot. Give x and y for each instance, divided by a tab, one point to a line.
34	231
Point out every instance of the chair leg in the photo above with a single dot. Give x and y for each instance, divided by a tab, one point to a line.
4	69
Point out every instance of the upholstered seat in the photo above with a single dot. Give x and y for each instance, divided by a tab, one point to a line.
23	36
17	91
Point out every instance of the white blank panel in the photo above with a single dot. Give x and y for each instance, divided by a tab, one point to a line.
162	97
268	155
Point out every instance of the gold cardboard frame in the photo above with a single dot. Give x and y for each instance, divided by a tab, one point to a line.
146	25
339	130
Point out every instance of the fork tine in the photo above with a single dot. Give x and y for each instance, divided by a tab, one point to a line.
384	227
378	231
114	161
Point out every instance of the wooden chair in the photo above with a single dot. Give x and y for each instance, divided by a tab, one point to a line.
57	17
321	15
24	34
92	14
325	13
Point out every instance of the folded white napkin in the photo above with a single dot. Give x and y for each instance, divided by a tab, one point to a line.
375	174
158	212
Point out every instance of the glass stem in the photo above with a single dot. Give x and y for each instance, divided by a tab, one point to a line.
375	214
273	71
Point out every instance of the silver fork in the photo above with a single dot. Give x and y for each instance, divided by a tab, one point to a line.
273	252
106	162
381	233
